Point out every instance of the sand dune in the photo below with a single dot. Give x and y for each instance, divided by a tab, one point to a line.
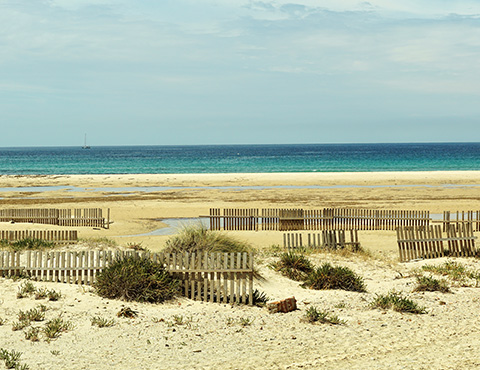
185	334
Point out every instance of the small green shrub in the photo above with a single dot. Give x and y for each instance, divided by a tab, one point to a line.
295	266
327	276
313	315
135	278
32	334
34	314
20	325
41	293
430	284
55	327
102	322
395	301
25	289
53	295
2	321
11	359
198	238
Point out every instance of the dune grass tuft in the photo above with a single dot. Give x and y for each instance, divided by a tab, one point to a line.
313	315
430	284
395	301
295	266
327	276
198	238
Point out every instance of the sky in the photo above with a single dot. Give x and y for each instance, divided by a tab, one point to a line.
182	72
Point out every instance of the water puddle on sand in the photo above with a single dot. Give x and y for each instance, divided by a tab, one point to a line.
150	189
174	225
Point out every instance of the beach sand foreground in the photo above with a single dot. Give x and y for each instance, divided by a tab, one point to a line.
185	334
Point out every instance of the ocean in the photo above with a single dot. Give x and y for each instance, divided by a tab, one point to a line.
240	158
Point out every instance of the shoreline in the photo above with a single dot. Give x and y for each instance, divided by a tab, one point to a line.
248	179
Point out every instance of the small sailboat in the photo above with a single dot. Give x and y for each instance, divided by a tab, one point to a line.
85	146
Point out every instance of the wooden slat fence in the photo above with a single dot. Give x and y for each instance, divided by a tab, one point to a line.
56	236
458	218
213	277
92	217
331	239
428	242
322	219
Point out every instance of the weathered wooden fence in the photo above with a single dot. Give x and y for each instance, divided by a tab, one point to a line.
322	219
92	217
458	218
331	239
214	277
56	236
428	242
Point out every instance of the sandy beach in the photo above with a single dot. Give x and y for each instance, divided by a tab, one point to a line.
211	336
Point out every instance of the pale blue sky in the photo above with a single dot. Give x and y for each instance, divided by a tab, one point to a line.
238	72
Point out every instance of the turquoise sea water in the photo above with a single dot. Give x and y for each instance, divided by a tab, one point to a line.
241	158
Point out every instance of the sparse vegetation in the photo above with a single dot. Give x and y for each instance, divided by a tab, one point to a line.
135	278
245	321
137	247
26	244
455	271
430	284
102	322
395	301
295	266
99	243
313	315
327	276
198	238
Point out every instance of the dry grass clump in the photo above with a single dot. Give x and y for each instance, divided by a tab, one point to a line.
198	238
127	312
327	276
135	278
395	301
295	266
430	284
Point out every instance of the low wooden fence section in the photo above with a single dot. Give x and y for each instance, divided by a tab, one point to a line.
56	236
92	217
331	239
323	219
214	277
457	219
428	242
